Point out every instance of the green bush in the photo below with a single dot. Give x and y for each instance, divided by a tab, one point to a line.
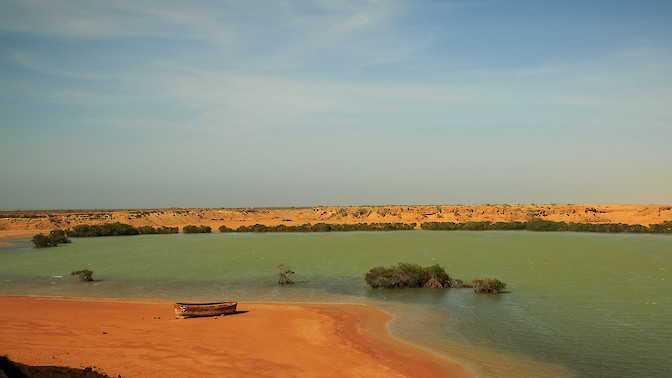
41	241
324	227
59	236
472	226
413	275
538	224
84	274
408	275
116	229
196	230
105	229
488	285
665	227
161	230
457	283
54	238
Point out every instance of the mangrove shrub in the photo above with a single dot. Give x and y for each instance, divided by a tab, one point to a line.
54	238
159	230
323	227
538	224
84	274
105	229
413	275
196	230
488	285
408	275
284	273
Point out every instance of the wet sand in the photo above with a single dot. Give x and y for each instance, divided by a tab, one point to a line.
4	235
145	339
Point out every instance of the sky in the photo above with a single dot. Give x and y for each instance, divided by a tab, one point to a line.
152	104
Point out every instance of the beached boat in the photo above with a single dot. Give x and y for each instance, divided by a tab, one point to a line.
205	309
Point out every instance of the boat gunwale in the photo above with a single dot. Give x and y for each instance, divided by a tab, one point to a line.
225	303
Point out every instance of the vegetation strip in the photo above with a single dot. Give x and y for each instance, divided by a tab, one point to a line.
538	224
323	227
59	236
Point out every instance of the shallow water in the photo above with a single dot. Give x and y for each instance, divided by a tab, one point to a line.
578	304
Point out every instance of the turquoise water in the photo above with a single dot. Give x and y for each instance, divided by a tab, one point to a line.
578	304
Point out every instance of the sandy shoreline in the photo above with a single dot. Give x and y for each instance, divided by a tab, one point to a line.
4	235
144	339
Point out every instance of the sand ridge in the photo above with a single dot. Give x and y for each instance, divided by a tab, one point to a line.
26	223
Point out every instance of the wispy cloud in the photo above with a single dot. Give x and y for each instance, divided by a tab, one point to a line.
30	60
102	19
631	84
268	35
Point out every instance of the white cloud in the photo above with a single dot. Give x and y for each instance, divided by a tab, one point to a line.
100	19
266	35
620	89
29	60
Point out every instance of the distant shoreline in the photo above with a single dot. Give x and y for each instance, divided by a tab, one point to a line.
26	223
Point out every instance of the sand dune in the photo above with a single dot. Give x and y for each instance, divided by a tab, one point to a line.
27	223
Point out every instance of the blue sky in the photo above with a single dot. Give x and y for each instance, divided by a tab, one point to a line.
301	103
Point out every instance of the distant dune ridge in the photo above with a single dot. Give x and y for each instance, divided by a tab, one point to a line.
29	221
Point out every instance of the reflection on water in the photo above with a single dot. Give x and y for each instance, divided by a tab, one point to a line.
578	304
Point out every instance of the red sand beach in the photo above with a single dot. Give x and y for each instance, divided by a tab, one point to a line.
145	339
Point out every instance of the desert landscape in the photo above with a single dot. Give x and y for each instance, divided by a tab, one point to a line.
131	338
26	223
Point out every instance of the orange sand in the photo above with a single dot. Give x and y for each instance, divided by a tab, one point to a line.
145	339
15	224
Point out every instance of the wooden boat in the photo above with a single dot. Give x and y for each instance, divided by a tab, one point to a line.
205	309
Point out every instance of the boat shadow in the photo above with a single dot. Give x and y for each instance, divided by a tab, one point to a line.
212	316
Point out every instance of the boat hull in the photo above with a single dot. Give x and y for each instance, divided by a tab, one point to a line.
205	309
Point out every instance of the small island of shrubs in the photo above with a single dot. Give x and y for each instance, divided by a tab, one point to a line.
54	238
84	274
488	285
413	275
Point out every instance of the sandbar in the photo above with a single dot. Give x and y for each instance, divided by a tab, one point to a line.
134	338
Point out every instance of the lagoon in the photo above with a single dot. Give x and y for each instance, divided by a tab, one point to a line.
577	304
